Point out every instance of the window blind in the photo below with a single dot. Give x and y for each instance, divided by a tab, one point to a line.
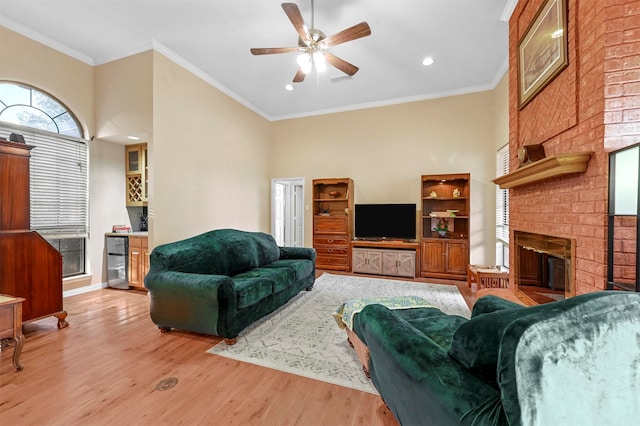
502	196
59	178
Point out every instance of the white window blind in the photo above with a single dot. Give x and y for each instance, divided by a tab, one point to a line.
59	178
502	196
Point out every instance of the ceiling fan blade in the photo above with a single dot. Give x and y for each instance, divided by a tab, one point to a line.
341	64
272	50
352	33
294	15
299	77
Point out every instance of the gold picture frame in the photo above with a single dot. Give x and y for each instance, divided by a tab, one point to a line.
542	51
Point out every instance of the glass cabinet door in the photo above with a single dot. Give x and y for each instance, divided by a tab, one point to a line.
133	160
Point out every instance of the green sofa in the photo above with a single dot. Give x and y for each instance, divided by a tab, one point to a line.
222	281
571	362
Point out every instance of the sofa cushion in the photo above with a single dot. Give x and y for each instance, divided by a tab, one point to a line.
280	278
220	252
250	289
490	303
302	268
434	323
476	343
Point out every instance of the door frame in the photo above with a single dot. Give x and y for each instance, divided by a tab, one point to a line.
299	181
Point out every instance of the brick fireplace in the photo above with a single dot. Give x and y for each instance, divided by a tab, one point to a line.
593	105
543	266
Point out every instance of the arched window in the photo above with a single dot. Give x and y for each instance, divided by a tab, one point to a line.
30	107
59	178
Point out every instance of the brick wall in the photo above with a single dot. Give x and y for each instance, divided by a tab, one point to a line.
592	105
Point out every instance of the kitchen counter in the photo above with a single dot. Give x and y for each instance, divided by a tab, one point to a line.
127	234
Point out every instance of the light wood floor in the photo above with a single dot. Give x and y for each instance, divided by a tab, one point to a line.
104	369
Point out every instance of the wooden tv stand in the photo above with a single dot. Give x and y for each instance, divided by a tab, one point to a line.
386	257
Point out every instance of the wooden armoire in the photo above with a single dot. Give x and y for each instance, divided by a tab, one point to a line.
29	266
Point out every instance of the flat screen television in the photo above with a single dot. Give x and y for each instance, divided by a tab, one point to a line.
394	221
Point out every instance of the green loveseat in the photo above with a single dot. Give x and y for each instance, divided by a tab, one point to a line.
571	362
222	281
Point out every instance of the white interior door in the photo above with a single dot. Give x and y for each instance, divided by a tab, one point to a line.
287	211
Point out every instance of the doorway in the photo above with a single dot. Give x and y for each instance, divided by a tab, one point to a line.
287	211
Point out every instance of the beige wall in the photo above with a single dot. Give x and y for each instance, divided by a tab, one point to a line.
67	79
212	159
386	150
208	160
501	113
124	93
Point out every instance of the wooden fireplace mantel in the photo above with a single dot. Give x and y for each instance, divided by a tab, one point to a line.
546	168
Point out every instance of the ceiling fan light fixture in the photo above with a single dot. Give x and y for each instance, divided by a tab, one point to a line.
304	62
427	61
320	61
312	44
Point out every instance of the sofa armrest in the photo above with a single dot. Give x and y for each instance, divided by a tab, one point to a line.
180	300
489	303
298	253
416	377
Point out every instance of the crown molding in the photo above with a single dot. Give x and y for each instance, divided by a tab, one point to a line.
36	36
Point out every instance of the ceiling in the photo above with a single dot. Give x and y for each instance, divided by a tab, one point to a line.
468	40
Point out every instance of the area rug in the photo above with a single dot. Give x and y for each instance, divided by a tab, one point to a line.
303	338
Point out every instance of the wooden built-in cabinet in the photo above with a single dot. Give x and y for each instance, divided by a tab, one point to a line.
333	222
444	259
30	267
138	261
137	175
399	263
385	257
447	197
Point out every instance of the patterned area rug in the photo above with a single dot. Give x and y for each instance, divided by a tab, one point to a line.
303	337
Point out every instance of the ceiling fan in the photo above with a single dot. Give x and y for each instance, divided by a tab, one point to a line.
313	44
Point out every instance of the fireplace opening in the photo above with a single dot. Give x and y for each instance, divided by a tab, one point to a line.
543	266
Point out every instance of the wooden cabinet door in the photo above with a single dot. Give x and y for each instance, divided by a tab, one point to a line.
135	259
136	262
457	257
390	263
433	256
374	262
399	263
406	264
367	261
359	261
133	160
145	262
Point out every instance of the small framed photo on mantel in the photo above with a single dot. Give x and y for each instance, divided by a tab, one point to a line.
542	51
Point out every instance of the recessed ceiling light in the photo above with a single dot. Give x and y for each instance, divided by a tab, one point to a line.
427	61
288	87
133	138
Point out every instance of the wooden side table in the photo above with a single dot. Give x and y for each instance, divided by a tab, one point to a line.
487	276
11	324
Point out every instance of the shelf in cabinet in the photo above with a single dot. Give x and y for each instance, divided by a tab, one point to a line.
327	200
444	198
445	217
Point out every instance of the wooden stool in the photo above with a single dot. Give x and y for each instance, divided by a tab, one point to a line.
487	276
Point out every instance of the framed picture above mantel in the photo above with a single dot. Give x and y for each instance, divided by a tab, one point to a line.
542	50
